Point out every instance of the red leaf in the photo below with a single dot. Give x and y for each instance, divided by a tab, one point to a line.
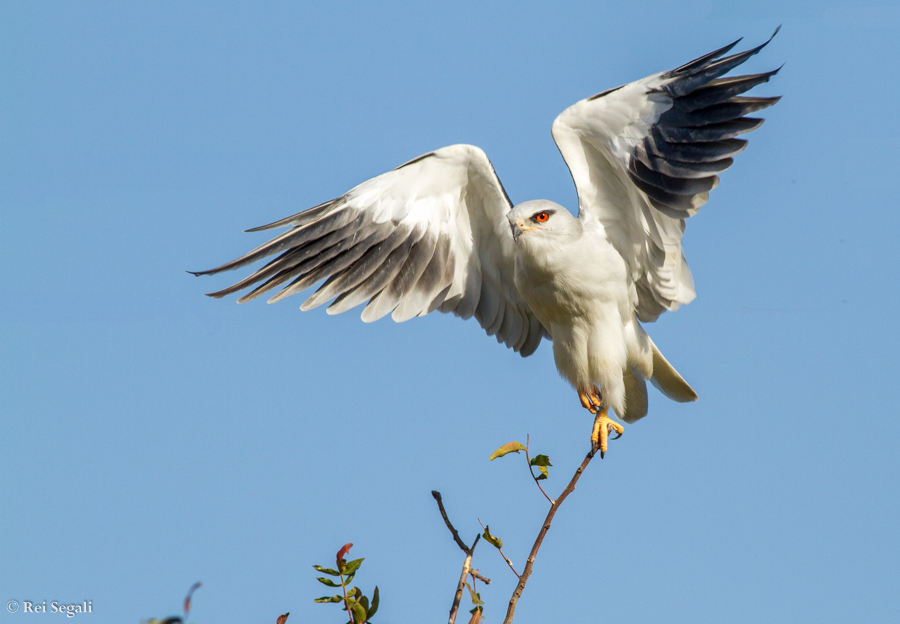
282	618
187	600
343	551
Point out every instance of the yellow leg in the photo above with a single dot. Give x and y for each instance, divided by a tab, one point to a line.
591	401
603	424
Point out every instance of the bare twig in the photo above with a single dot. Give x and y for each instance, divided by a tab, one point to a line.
505	558
467	565
483	579
456	538
540	538
531	470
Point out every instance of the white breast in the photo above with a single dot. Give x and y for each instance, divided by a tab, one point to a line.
579	291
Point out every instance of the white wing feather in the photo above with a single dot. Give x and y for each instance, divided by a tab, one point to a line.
644	157
431	234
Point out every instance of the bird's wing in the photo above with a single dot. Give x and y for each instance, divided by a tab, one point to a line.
430	235
644	157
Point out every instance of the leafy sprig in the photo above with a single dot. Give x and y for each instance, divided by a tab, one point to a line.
357	605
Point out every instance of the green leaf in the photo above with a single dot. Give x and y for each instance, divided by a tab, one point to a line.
543	475
353	592
352	566
374	602
506	449
360	611
364	602
476	598
326	570
348	580
541	460
496	542
329	582
329	599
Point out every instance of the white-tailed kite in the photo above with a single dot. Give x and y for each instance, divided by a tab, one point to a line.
440	233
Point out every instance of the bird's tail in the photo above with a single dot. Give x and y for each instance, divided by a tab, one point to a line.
635	395
668	381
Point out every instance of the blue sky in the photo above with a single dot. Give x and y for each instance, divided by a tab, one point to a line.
151	437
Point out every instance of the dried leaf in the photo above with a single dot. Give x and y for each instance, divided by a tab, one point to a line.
282	618
509	447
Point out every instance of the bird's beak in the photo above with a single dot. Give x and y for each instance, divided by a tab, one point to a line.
517	230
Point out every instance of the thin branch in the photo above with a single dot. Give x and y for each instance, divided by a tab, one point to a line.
505	558
540	538
483	579
467	568
456	538
531	470
467	565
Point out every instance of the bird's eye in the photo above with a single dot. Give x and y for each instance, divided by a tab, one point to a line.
542	217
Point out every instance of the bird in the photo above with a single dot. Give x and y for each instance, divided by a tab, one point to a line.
439	232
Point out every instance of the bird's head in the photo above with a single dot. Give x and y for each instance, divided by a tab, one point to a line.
540	217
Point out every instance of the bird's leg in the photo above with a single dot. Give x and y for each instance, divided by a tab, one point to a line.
603	424
591	401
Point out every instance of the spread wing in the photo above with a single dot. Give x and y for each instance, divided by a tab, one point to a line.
429	235
644	157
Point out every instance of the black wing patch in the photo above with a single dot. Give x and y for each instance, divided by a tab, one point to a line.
694	141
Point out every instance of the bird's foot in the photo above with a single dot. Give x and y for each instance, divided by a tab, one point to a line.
591	401
603	426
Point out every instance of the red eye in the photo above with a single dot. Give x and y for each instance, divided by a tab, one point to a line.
541	217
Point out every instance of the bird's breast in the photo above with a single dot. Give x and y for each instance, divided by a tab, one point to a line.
567	283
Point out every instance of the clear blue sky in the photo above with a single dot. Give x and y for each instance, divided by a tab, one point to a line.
151	437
